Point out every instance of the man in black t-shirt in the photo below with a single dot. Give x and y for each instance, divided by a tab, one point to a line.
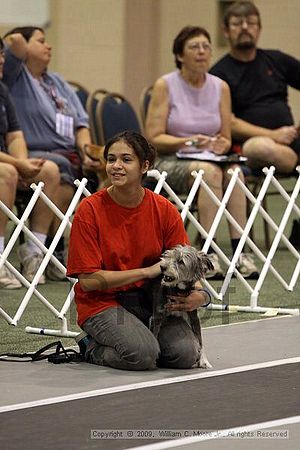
17	171
263	125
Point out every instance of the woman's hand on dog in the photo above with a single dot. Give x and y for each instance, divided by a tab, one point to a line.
188	303
152	271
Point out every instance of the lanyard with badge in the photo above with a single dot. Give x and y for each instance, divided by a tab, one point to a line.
64	123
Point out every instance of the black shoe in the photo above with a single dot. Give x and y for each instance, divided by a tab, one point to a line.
53	273
295	234
82	340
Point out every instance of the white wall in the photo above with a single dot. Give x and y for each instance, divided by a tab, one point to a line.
124	45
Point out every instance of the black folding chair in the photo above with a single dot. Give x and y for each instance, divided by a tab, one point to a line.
114	114
81	92
145	98
91	106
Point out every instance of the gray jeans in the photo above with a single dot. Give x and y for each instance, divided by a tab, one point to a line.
121	340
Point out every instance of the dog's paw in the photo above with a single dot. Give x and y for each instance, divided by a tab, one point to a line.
203	361
205	364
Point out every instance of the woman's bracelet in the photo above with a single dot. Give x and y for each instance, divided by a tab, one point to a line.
191	142
207	292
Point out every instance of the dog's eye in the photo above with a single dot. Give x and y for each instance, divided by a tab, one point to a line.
168	279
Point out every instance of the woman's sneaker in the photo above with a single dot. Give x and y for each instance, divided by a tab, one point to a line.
216	273
30	263
247	267
8	280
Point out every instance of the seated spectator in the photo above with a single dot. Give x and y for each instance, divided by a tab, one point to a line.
117	237
190	106
263	127
16	170
51	116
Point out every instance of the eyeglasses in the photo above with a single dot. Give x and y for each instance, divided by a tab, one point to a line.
240	21
206	47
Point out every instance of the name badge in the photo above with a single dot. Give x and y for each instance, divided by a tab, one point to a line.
65	125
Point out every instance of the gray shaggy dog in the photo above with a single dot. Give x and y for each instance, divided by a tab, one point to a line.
181	267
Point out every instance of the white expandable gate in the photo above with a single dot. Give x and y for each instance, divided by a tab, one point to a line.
186	214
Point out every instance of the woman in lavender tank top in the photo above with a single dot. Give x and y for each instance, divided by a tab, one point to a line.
190	111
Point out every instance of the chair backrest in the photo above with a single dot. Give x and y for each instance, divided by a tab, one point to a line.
81	92
91	106
145	98
114	114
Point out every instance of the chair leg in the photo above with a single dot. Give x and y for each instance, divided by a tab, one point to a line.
249	208
266	226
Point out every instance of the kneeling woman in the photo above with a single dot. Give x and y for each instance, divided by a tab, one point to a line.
117	238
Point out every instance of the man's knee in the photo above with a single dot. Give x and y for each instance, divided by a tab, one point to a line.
262	151
258	146
9	176
50	173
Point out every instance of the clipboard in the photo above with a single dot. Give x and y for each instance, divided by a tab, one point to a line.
206	155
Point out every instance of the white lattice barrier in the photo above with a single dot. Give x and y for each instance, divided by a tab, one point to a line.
257	208
186	214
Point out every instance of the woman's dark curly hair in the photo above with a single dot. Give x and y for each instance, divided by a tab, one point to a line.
141	147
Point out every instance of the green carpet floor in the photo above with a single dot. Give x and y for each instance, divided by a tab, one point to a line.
272	294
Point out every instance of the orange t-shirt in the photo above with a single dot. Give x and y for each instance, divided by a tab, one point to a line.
108	236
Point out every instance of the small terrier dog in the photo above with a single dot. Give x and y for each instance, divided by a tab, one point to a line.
181	267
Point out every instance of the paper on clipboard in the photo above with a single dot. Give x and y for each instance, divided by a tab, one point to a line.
206	155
